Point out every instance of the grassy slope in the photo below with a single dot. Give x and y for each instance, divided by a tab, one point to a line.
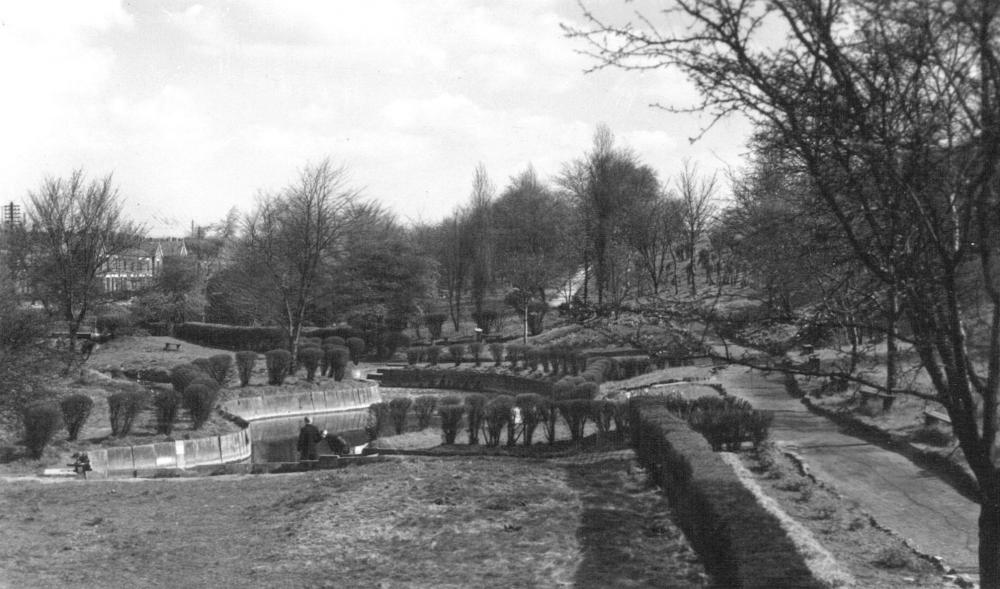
451	522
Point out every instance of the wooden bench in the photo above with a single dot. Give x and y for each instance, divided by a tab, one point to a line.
935	418
167	347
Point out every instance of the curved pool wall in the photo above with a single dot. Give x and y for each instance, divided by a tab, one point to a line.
130	461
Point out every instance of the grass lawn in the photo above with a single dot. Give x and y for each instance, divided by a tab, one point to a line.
410	522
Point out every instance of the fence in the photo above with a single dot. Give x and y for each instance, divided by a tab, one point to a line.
227	448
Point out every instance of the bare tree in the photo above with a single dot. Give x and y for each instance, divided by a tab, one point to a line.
74	228
292	237
892	109
697	194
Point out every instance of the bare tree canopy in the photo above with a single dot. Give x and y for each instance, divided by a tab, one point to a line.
291	238
74	228
891	109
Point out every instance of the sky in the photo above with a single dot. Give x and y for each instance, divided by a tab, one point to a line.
196	108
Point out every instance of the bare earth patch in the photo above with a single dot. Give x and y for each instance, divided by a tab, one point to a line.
410	522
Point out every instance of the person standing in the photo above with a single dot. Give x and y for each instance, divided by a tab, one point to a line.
309	436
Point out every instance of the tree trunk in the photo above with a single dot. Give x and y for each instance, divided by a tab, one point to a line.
989	532
891	347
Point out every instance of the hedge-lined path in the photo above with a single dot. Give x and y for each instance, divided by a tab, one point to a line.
900	495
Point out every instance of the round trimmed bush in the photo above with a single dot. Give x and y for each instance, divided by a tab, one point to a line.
424	406
456	351
310	358
123	409
398	408
451	420
167	404
200	401
339	357
183	374
245	361
75	411
279	364
41	422
356	345
218	367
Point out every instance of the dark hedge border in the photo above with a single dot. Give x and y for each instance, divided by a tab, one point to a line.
462	380
741	544
258	339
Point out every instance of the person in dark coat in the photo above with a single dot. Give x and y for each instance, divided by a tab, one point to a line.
309	436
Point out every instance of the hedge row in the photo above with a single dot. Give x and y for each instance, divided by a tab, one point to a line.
257	339
741	544
461	380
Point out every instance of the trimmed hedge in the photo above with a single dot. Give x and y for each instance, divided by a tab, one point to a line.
257	339
741	543
462	380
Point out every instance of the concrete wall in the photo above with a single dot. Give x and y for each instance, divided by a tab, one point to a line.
251	408
232	447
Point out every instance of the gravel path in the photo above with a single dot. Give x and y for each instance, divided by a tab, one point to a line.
899	494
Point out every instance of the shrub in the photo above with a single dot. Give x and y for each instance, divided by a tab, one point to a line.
497	416
424	406
75	411
245	361
356	345
339	356
532	413
41	422
601	413
381	413
434	323
433	353
586	390
123	409
183	374
514	352
544	355
414	355
203	364
334	340
310	358
549	415
167	405
476	349
398	408
456	351
532	356
575	413
451	420
621	415
564	389
475	405
496	350
199	398
218	367
279	364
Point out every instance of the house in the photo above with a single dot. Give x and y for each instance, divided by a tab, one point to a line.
136	269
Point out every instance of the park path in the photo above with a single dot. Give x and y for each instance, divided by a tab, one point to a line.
900	495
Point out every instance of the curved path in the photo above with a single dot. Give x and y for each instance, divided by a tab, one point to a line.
900	495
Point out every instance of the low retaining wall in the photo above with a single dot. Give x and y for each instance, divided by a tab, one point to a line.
227	448
462	380
132	460
741	543
263	407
